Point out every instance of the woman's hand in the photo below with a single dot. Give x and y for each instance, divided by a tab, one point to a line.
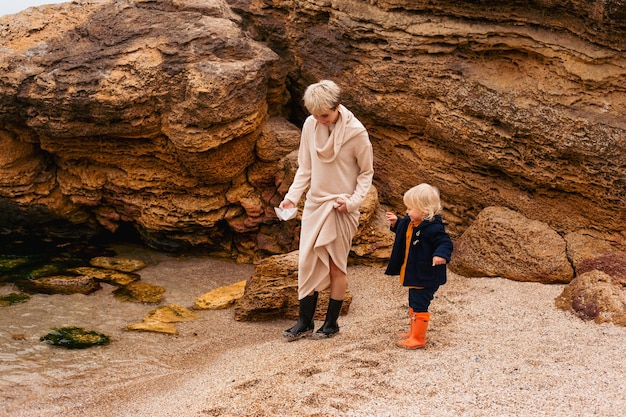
286	204
392	218
341	205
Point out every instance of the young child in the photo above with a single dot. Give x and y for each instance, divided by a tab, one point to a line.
421	250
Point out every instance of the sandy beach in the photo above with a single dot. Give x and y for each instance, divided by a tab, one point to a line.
495	348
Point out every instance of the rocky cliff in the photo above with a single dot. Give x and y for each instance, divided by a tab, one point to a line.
180	117
146	113
520	104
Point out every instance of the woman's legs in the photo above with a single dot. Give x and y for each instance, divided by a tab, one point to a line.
306	314
338	287
338	282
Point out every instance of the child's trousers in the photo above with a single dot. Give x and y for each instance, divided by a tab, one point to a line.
419	299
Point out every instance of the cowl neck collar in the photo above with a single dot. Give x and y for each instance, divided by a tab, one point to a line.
327	143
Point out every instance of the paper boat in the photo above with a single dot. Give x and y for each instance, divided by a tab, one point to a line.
286	214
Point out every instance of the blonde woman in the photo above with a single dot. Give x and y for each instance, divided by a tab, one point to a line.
421	250
335	164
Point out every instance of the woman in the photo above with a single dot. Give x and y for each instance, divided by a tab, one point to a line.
335	163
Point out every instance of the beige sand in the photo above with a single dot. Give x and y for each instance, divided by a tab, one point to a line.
495	348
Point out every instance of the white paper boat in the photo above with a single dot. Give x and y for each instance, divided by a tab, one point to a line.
286	214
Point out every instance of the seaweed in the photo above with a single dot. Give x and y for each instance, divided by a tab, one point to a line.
13	298
75	338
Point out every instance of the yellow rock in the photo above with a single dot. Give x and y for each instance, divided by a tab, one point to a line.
140	292
118	264
222	297
110	276
171	314
160	319
149	325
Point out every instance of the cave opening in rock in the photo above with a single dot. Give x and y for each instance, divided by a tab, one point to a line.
125	233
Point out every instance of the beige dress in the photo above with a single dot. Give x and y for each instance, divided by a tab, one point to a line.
332	163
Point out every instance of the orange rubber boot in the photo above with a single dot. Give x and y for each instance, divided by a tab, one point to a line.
407	334
417	339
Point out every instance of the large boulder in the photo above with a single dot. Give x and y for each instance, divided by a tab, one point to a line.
586	247
142	113
272	292
595	295
504	243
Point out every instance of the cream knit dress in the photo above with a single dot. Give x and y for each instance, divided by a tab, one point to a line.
332	163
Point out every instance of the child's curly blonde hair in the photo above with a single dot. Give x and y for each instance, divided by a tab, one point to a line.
425	198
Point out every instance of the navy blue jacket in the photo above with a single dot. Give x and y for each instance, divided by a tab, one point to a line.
429	239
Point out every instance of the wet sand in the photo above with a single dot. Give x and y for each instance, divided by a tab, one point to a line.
495	348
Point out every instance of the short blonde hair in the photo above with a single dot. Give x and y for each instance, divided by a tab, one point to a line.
321	96
425	198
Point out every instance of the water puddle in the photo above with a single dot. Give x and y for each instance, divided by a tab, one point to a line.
33	372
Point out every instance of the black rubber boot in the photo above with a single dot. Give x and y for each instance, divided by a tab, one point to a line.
330	327
306	313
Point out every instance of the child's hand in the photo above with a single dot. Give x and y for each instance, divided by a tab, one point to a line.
437	260
391	217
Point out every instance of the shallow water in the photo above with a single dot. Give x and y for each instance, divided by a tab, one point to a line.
33	371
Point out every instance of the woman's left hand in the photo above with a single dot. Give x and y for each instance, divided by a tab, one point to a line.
341	205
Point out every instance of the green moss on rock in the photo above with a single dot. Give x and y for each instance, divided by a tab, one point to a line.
75	338
13	298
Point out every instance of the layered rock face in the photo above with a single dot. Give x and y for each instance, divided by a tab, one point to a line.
138	112
180	117
518	104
